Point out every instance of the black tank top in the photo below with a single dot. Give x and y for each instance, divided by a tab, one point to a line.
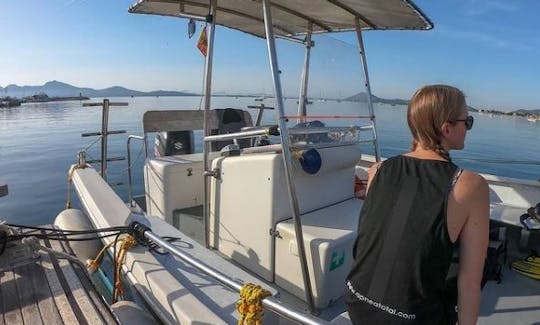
403	251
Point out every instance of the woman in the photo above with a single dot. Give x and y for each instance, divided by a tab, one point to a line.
418	207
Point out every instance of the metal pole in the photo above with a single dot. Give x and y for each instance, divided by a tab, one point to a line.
302	99
368	87
104	130
130	185
206	125
259	115
240	135
287	161
269	302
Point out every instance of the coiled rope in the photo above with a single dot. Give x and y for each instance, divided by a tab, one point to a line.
250	304
125	243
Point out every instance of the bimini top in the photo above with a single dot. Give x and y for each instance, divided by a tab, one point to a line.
292	17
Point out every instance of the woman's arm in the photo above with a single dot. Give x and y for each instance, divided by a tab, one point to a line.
474	239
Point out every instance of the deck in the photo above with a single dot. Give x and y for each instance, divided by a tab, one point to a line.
39	288
516	300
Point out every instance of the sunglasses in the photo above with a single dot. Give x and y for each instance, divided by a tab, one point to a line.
469	121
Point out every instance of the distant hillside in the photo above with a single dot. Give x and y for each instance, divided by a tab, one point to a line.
525	111
60	89
362	97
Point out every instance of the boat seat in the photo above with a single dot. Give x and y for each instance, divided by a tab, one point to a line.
172	183
329	236
221	121
231	120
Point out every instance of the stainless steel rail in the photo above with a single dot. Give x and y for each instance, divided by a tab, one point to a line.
130	186
368	87
270	303
105	131
302	99
327	129
237	135
287	159
211	20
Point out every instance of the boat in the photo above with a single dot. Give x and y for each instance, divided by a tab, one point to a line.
532	118
6	102
274	219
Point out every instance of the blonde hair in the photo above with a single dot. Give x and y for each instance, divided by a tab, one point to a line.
430	107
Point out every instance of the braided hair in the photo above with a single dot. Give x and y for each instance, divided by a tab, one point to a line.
430	107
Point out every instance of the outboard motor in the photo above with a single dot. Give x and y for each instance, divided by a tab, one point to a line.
174	143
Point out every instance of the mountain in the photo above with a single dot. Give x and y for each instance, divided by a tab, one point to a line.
362	97
526	111
60	89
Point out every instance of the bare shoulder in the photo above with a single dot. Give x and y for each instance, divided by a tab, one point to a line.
471	188
471	182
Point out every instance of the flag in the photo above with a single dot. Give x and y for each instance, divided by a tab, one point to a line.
191	28
202	43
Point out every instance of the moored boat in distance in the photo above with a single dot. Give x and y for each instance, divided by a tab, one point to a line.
532	118
279	214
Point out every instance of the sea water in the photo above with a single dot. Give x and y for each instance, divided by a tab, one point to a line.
39	142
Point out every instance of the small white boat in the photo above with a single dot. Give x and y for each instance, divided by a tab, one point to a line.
532	118
283	216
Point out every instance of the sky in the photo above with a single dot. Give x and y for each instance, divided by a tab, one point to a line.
488	48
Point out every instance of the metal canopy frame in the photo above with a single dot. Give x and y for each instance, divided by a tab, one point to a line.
289	23
292	17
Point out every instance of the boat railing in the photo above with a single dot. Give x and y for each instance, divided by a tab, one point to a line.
130	182
261	109
270	303
272	130
104	133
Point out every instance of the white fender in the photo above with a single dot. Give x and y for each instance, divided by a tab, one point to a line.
74	219
129	312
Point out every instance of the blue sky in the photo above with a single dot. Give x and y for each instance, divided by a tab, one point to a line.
488	48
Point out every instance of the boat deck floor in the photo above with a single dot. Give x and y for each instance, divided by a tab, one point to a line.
516	300
40	288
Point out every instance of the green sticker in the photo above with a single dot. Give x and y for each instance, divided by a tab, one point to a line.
337	260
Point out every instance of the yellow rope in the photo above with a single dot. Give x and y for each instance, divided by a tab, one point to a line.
126	243
250	304
94	264
297	154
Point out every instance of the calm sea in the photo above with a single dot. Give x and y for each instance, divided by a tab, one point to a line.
38	143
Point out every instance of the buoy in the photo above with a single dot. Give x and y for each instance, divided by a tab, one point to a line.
311	161
74	219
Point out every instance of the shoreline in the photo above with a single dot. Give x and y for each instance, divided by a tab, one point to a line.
53	99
